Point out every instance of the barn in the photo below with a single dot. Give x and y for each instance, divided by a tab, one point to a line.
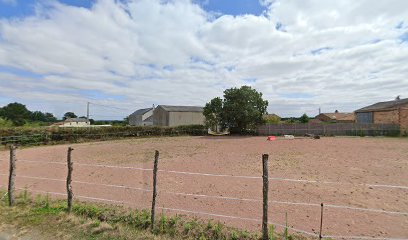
141	117
165	115
395	112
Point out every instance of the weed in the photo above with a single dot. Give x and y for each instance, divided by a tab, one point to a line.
234	235
95	223
271	232
187	227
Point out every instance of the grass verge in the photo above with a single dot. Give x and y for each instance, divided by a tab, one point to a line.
48	218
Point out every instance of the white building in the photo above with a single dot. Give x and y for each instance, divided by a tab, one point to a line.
74	122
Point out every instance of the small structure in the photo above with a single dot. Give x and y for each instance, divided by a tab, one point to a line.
142	117
73	122
336	117
165	115
395	112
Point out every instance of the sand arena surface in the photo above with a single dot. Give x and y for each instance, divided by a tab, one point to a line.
349	162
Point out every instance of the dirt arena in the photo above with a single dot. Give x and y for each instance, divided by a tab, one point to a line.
340	165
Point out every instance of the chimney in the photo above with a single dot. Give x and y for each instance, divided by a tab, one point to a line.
320	111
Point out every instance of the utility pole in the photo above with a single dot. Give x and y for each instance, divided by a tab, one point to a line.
87	111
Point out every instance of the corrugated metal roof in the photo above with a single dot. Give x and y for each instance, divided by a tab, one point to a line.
383	105
181	108
141	111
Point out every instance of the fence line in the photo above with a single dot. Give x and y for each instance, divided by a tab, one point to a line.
345	129
177	210
225	175
226	216
222	197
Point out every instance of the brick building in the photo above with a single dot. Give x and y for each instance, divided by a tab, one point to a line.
395	111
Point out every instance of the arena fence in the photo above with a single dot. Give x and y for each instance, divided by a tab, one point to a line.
69	194
333	129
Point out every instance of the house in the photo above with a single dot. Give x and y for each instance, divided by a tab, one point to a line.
336	117
142	117
73	122
164	115
395	112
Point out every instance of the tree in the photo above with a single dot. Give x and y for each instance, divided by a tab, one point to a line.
69	115
15	112
242	109
125	121
304	118
272	119
213	113
38	116
4	123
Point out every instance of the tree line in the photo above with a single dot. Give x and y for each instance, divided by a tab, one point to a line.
17	114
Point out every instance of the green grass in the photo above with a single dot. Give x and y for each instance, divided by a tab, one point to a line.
98	221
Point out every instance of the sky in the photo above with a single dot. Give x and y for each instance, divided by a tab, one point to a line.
56	56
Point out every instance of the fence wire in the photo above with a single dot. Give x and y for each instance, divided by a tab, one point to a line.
224	175
221	197
224	216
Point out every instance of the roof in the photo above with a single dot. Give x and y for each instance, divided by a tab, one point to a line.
149	119
338	115
76	120
181	108
389	105
141	111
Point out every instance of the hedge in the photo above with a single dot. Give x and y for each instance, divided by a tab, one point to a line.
53	135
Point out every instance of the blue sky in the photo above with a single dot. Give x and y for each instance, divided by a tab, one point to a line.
21	8
131	54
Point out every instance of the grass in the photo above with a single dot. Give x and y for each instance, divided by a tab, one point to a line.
98	221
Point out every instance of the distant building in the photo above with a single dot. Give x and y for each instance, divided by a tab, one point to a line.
395	111
73	122
142	117
164	115
336	117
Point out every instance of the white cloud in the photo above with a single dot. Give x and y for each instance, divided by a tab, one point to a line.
146	52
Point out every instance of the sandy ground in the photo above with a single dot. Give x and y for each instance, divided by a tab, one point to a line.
349	161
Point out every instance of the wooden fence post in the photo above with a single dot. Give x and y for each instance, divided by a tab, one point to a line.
265	196
156	160
12	175
321	221
70	165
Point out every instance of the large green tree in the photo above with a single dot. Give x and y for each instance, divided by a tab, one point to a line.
38	116
304	118
213	113
241	110
69	115
15	112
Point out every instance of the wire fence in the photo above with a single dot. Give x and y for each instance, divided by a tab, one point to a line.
207	196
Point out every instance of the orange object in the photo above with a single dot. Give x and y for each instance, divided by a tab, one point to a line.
271	138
